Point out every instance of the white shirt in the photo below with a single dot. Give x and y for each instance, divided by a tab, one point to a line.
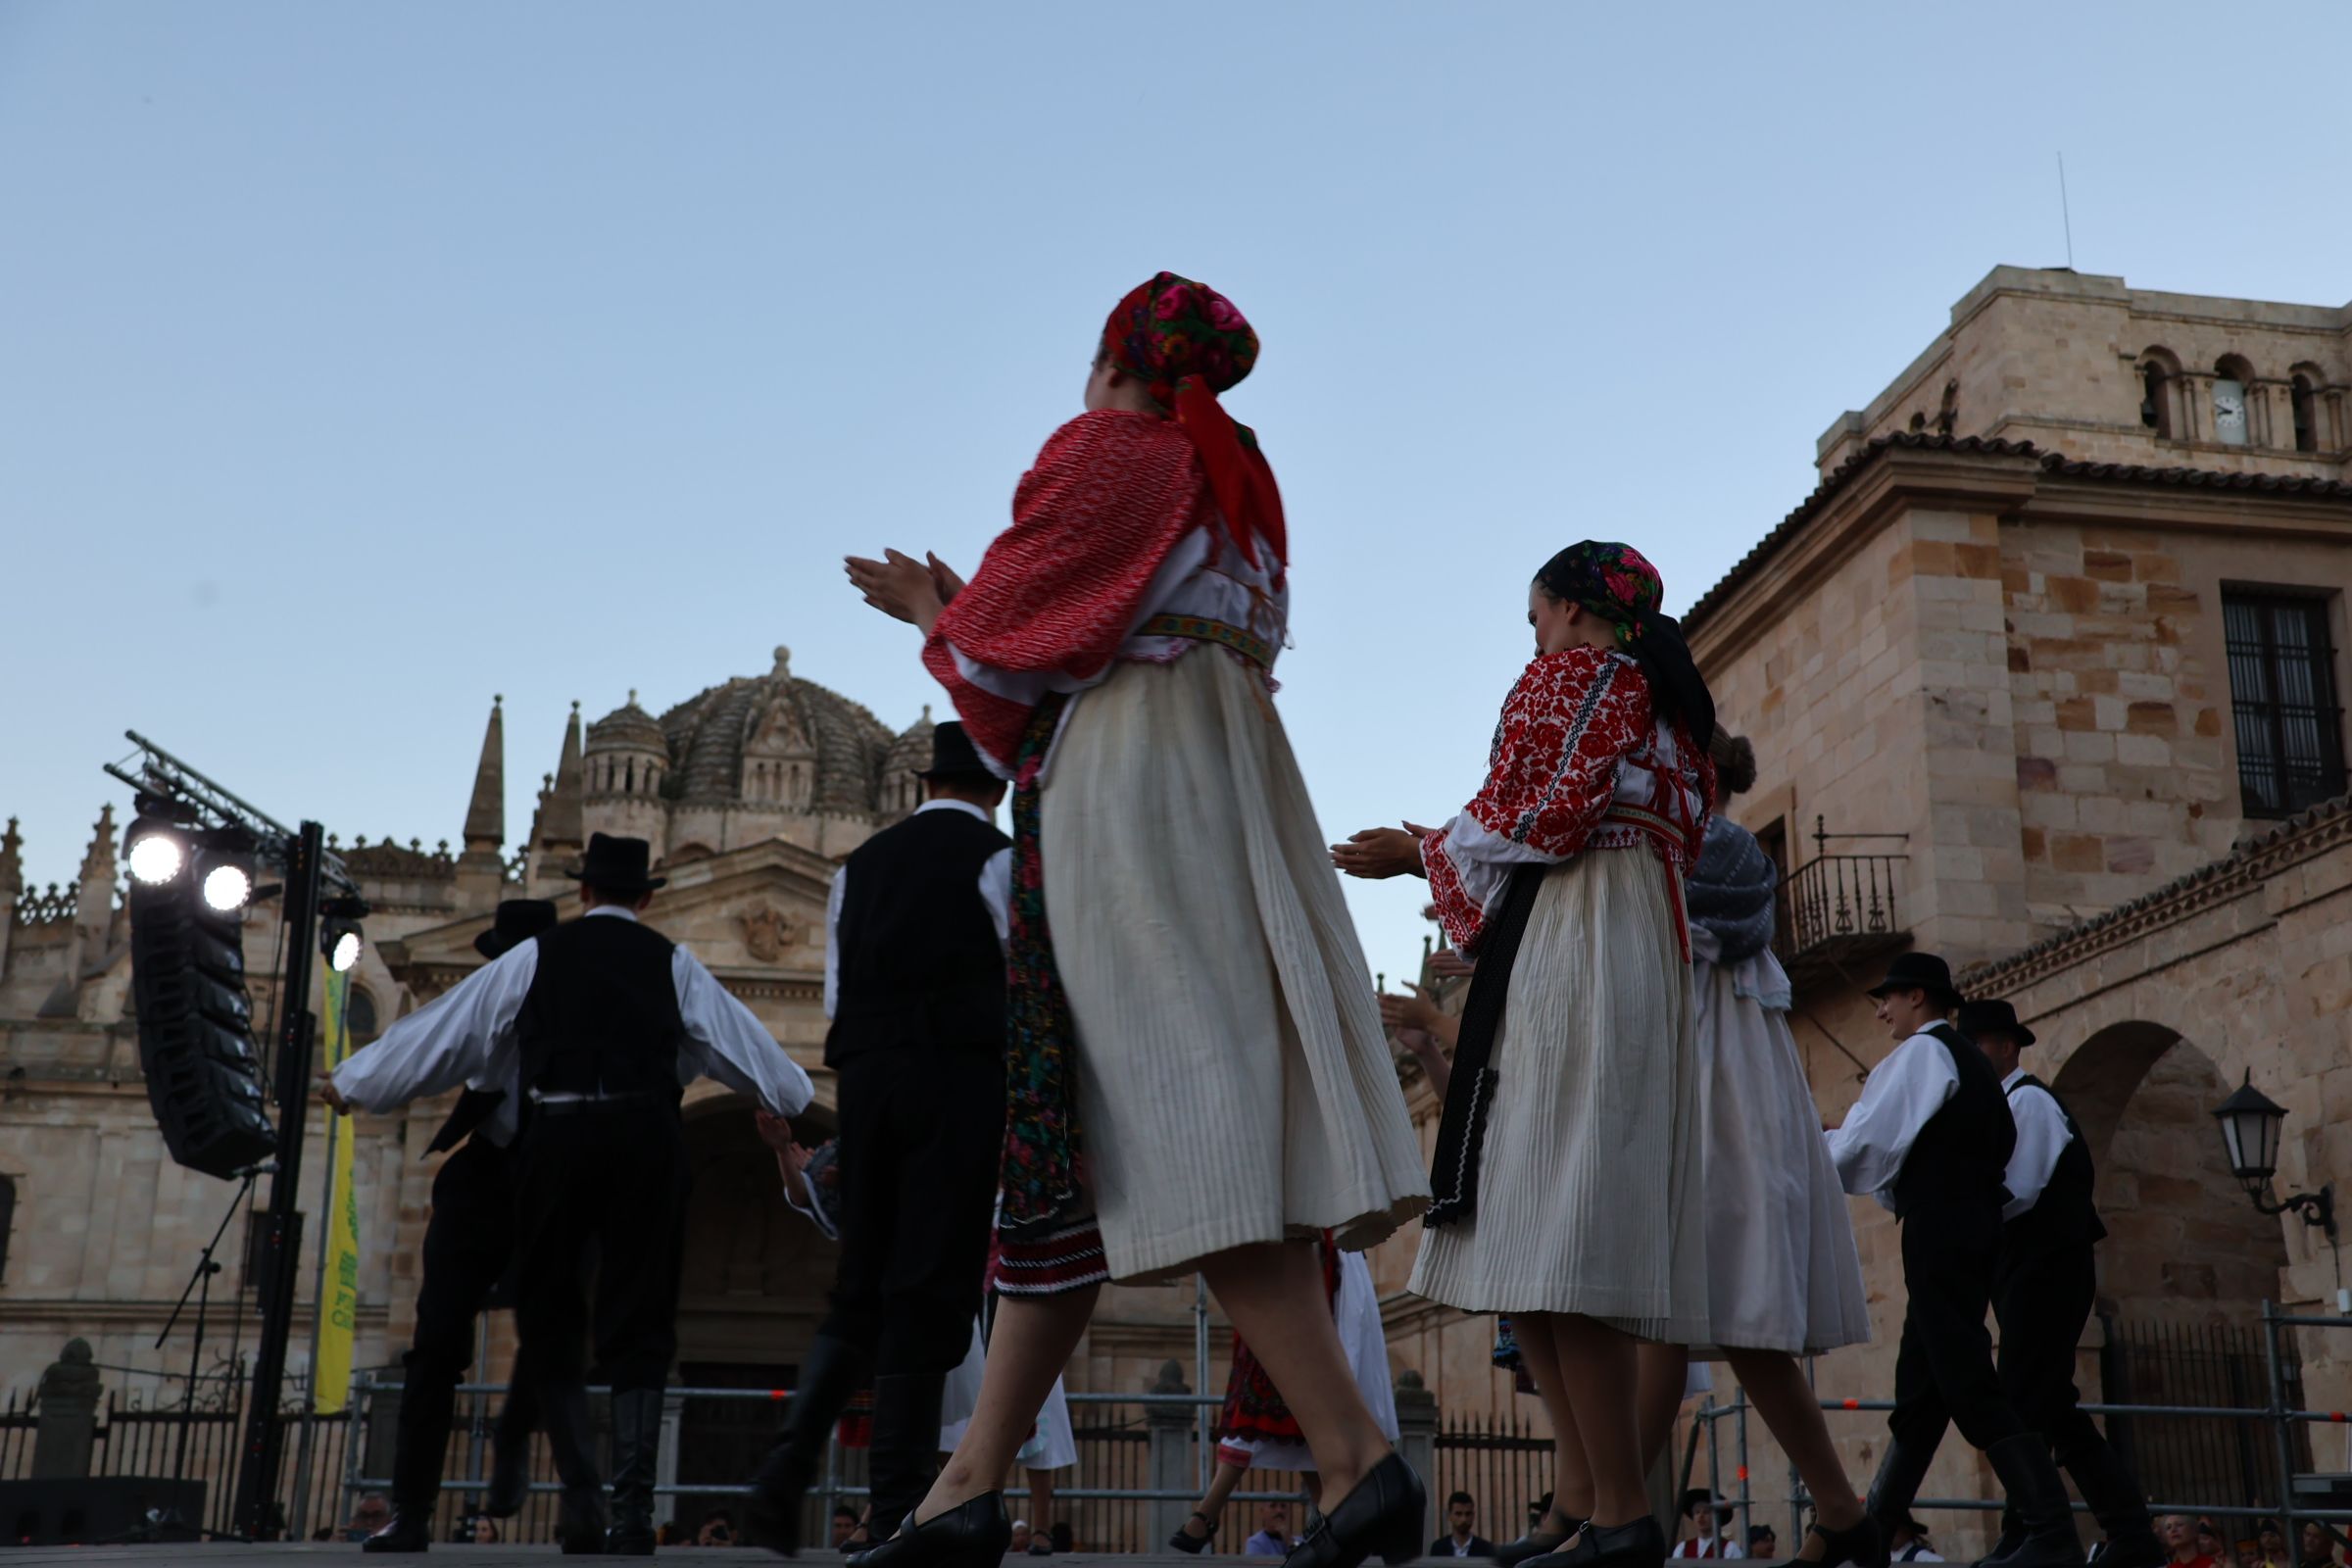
996	891
469	1036
2041	1136
1906	1089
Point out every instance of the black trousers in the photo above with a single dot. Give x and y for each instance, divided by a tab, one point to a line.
2042	1302
1943	1371
468	1245
922	1133
609	1185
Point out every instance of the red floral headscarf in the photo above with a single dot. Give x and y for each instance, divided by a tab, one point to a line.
1187	343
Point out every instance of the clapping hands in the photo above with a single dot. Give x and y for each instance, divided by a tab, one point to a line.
1377	853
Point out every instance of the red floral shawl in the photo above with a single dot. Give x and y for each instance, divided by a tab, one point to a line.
1109	496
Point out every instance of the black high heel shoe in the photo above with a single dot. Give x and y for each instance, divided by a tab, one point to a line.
975	1534
1637	1544
1864	1544
1381	1518
1193	1545
1538	1540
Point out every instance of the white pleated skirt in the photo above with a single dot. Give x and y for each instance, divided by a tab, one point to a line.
1781	1270
1234	1082
1587	1185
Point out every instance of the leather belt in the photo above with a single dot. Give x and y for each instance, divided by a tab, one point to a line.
559	1102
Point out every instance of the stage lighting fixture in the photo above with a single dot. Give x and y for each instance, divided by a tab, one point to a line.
339	932
343	951
155	855
227	887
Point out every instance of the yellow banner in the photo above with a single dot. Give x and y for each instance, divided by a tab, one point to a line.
339	1275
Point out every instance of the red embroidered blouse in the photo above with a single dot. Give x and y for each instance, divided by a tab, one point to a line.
1578	735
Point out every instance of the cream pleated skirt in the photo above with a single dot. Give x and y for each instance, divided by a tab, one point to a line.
1587	1181
1234	1082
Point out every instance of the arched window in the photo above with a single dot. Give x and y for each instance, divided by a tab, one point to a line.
360	1017
2232	417
2157	372
2305	396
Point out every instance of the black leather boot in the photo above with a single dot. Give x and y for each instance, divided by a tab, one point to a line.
830	1378
636	1455
2031	1482
511	1454
420	1441
905	1455
2119	1503
1901	1468
571	1440
1381	1518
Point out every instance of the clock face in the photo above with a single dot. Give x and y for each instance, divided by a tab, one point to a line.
2230	412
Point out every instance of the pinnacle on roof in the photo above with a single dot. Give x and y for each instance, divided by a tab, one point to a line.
486	813
564	817
629	729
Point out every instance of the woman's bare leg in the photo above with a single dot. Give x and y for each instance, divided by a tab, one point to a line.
1212	1502
1041	1503
1601	1364
1665	1373
1775	1386
1572	1477
1273	1291
1032	1341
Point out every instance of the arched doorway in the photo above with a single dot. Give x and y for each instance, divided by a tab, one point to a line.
2187	1264
756	1278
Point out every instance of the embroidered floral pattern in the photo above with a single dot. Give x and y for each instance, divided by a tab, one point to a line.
1253	1406
1614	581
1040	1173
1172	329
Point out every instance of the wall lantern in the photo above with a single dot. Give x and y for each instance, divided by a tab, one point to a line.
2250	1120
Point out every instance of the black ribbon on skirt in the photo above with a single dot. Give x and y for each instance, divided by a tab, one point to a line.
1462	1127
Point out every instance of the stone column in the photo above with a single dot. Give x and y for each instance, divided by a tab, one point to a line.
1171	1429
1417	1440
68	1399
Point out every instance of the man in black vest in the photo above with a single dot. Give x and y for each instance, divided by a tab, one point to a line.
2044	1286
1931	1138
602	1022
914	984
468	1244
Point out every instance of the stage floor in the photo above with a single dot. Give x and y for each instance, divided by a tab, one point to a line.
229	1555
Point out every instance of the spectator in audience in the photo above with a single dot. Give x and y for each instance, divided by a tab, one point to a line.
372	1514
1910	1543
1020	1538
717	1528
1763	1543
1701	1509
2179	1532
484	1531
2271	1542
2210	1544
845	1524
2319	1549
1273	1538
1461	1538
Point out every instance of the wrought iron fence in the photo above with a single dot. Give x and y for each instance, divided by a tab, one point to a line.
1501	1462
2217	1366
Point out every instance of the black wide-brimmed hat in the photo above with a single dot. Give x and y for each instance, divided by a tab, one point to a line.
516	922
1918	971
955	758
617	865
1992	1019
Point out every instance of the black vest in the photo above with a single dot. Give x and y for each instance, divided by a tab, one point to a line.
916	958
601	1017
2064	1217
1963	1151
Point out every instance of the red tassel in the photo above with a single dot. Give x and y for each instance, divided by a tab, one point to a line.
1242	480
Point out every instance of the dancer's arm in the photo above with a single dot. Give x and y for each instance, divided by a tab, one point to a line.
2041	1136
726	1040
1905	1090
467	1034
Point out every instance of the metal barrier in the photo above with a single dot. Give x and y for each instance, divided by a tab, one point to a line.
2281	1420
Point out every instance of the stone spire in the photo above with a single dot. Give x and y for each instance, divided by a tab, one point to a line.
486	813
12	883
481	873
558	831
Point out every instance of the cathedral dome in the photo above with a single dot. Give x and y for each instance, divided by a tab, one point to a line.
912	752
627	728
776	726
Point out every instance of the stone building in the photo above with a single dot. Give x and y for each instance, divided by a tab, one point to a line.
2045	676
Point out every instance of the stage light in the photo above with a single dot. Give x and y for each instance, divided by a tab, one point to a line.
227	887
343	951
157	856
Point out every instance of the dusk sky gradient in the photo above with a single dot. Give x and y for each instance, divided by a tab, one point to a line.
358	362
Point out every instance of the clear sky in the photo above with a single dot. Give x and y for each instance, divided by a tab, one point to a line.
360	361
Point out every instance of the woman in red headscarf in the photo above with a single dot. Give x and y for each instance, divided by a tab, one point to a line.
1193	1030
